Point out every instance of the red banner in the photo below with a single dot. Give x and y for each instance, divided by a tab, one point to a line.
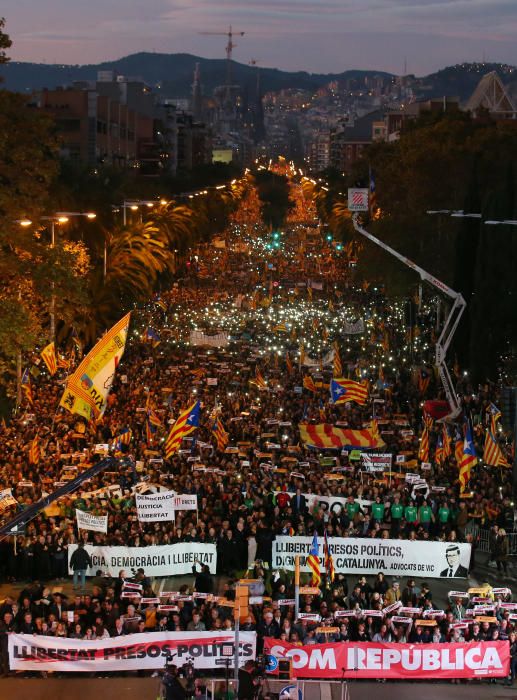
397	661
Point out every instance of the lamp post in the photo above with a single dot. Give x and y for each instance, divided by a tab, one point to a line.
134	205
59	218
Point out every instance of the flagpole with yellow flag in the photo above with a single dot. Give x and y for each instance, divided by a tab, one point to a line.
88	387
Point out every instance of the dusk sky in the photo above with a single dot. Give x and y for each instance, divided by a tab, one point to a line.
316	35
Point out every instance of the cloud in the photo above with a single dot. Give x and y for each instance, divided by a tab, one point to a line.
314	35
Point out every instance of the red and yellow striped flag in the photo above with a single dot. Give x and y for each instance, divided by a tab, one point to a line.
423	452
337	366
313	561
34	451
259	380
48	356
220	434
308	383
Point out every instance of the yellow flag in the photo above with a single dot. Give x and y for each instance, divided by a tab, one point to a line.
88	387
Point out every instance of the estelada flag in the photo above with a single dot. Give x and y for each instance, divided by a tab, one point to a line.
48	356
184	425
343	390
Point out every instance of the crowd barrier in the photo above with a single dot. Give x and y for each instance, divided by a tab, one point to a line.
482	538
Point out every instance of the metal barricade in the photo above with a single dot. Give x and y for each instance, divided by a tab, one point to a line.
481	537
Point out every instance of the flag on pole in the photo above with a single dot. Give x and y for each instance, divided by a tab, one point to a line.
424	378
313	561
220	434
152	337
468	458
88	387
288	363
343	390
438	452
446	440
423	451
259	380
27	386
48	355
308	383
185	424
492	453
329	561
337	368
34	451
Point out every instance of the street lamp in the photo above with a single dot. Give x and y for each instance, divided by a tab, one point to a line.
134	205
59	218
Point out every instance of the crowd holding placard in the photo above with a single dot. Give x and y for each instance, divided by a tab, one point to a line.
258	478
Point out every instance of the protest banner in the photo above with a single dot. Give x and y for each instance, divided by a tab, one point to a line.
87	521
218	340
394	661
329	503
185	502
159	560
133	652
155	506
376	461
7	500
360	556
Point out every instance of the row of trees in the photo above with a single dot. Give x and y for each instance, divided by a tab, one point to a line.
450	161
90	271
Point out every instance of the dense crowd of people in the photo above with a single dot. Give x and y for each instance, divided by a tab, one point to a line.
258	486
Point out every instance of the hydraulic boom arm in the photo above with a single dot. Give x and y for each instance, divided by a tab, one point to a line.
451	322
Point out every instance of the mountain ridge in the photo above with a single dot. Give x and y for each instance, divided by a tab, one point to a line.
171	74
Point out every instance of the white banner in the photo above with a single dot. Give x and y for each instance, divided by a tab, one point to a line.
376	461
87	521
155	506
185	502
160	560
328	359
365	556
354	328
331	503
219	340
132	652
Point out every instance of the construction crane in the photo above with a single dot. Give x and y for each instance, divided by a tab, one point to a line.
449	327
229	48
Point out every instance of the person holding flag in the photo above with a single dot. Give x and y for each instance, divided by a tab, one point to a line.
313	561
27	386
329	561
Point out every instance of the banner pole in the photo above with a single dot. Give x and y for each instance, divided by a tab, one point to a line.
296	586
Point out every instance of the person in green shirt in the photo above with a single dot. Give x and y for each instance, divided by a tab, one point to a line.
397	511
443	515
411	514
378	510
352	508
425	516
